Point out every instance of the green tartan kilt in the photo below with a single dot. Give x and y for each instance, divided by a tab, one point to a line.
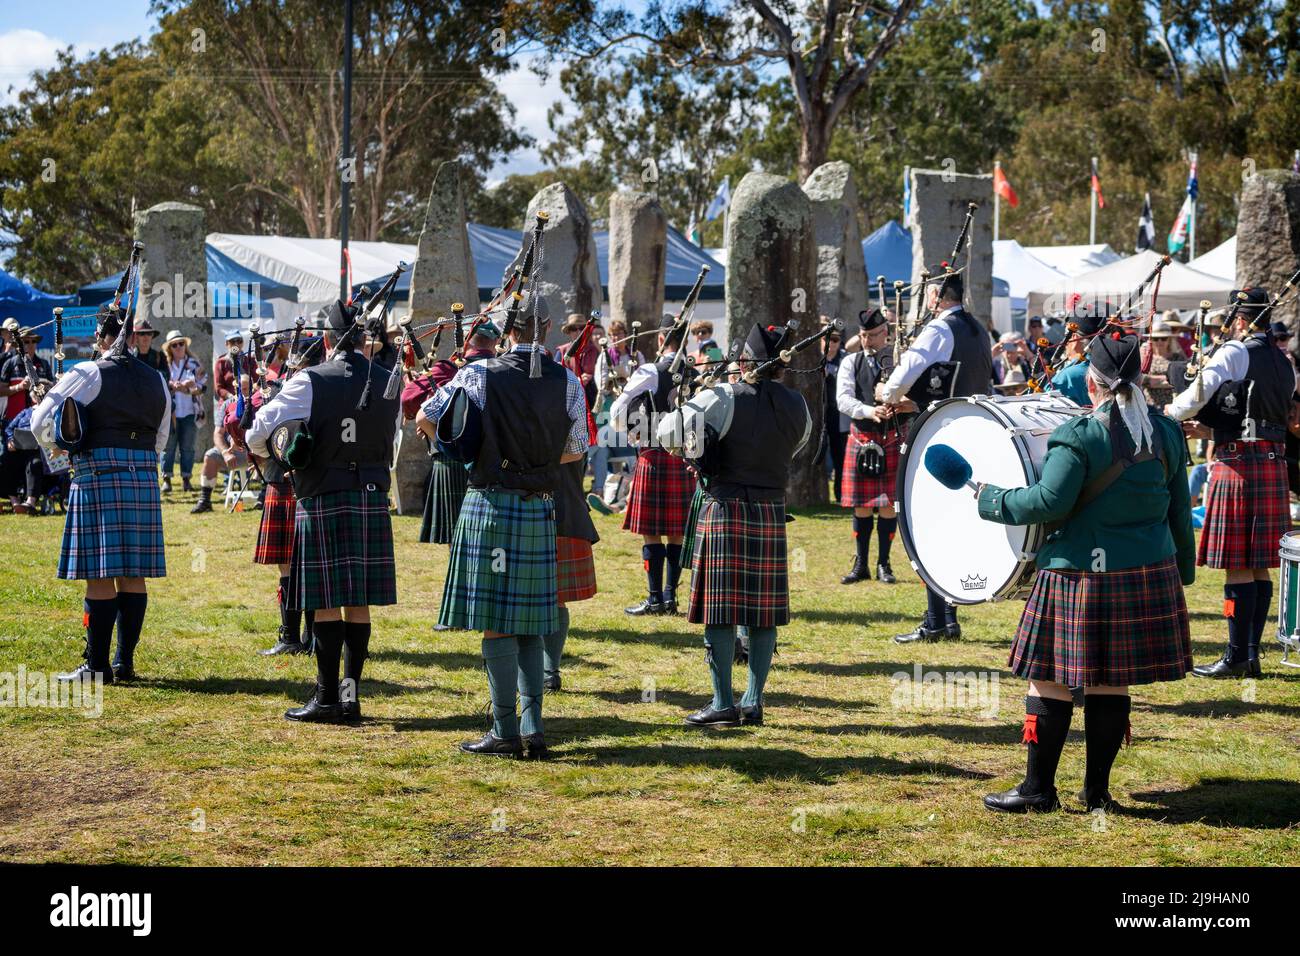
342	551
501	576
692	518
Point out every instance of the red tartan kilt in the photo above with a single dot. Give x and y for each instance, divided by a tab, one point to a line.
275	533
1247	507
865	491
660	496
739	573
1118	628
575	570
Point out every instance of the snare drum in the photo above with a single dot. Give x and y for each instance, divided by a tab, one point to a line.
1288	602
956	552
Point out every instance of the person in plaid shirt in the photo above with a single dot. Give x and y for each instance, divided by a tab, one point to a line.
1107	608
741	438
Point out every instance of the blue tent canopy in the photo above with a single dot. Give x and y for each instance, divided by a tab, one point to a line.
30	306
681	267
888	252
230	286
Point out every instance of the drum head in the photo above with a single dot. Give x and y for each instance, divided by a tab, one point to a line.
954	550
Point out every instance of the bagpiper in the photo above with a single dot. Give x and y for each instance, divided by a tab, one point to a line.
334	428
113	416
742	437
871	453
661	486
517	430
1107	609
953	337
1243	394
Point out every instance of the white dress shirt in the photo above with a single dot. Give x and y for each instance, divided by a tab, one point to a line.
644	379
83	383
846	398
292	403
1231	363
934	344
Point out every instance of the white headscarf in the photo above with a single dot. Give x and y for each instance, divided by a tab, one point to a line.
1132	409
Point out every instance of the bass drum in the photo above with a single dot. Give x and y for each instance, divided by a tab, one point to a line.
956	552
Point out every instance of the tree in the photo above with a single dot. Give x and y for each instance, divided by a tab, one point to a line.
504	205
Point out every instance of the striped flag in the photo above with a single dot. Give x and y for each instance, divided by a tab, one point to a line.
1096	186
721	200
1182	225
1146	226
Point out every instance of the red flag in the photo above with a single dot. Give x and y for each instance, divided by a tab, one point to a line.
1096	187
1002	187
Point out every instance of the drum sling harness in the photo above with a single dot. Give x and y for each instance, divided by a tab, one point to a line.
1122	461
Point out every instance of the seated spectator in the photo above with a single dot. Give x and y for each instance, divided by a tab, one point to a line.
224	456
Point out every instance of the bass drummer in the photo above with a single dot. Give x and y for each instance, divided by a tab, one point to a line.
1243	397
954	351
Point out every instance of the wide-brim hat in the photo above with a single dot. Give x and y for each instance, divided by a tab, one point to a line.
27	332
234	334
175	336
142	327
1013	379
1160	330
10	324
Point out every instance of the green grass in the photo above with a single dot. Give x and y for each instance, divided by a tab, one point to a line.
195	765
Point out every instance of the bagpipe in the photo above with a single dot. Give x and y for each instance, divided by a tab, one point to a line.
527	271
938	380
613	381
676	373
754	374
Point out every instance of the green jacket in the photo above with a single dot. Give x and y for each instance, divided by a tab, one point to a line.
1143	518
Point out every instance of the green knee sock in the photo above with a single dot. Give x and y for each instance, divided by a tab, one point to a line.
501	656
530	684
762	645
720	642
555	641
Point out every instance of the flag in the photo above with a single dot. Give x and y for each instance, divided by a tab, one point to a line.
1096	186
1002	187
907	192
1146	226
1178	235
1193	187
693	232
721	200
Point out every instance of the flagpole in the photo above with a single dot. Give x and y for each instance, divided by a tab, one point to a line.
996	199
1092	223
1191	238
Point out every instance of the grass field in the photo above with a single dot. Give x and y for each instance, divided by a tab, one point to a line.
195	764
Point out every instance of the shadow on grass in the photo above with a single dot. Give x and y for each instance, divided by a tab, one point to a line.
287	687
623	635
1225	708
957	733
688	700
859	617
1225	802
867	668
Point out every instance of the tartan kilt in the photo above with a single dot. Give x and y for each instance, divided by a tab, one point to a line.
660	495
866	491
738	573
343	551
1086	629
448	481
502	572
275	533
113	528
692	519
1247	507
575	570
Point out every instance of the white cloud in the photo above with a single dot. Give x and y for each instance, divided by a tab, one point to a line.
21	52
532	98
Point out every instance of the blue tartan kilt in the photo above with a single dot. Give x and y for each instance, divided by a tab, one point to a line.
502	572
113	527
342	551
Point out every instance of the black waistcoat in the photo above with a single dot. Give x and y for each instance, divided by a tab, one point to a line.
973	348
525	425
351	447
659	398
868	371
129	407
572	516
767	421
1264	394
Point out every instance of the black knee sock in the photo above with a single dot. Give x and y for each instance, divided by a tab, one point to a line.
1239	609
131	607
309	618
862	537
329	647
885	537
1263	605
936	610
673	553
290	618
101	615
1105	725
356	648
1047	723
654	555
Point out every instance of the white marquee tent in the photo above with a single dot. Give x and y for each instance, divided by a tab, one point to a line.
1075	260
1180	287
1220	261
1021	271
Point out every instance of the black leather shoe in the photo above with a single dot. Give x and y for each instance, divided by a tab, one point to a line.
751	716
645	607
1014	802
920	633
885	574
442	627
856	573
314	712
708	717
493	746
535	747
952	632
670	605
283	645
551	682
204	505
85	672
1255	669
1223	669
124	674
1101	801
350	711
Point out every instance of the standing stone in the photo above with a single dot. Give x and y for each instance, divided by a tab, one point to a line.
772	279
939	201
444	267
638	248
1268	237
174	274
841	273
569	276
443	274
